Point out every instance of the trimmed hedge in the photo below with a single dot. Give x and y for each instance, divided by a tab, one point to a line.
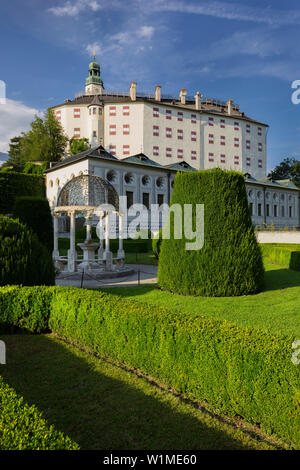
13	185
235	370
285	256
22	427
26	308
230	262
23	258
35	213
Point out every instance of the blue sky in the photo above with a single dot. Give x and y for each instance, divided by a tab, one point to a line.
247	51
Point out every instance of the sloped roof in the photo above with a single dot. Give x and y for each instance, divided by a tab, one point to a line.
141	159
95	152
181	166
269	182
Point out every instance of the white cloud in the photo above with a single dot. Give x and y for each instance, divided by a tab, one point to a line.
73	9
229	11
146	32
15	117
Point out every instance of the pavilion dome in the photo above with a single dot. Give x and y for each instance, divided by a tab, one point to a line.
88	190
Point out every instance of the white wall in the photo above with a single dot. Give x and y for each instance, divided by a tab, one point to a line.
278	237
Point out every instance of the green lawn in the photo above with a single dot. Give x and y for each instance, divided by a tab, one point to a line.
277	308
101	406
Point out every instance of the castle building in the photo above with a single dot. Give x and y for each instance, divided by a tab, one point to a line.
138	142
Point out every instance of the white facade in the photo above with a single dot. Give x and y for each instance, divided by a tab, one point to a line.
203	133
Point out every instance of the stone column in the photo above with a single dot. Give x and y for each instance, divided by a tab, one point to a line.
55	253
121	253
88	228
108	253
101	250
72	254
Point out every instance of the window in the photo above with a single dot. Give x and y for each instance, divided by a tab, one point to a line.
193	136
275	210
259	209
111	176
168	152
112	129
260	164
100	111
282	211
248	144
156	131
160	199
193	155
236	160
222	140
112	149
94	133
211	139
126	129
268	210
259	131
179	134
211	121
58	115
251	208
211	157
236	126
260	147
129	195
193	118
90	111
146	200
112	111
236	142
290	211
156	112
94	110
223	158
126	110
168	114
168	132
156	151
77	132
180	153
222	123
126	149
180	116
248	129
248	161
76	112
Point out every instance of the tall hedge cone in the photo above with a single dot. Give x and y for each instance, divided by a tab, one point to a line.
230	262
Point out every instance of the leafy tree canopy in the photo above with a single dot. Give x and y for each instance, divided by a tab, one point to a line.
78	145
44	142
289	168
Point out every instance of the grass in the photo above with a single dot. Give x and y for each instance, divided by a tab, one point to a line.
101	406
276	309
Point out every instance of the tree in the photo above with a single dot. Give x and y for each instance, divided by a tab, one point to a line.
230	261
15	157
78	145
44	142
289	168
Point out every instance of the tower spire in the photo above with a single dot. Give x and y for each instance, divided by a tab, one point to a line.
93	83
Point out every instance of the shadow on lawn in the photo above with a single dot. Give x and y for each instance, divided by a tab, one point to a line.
278	279
101	406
